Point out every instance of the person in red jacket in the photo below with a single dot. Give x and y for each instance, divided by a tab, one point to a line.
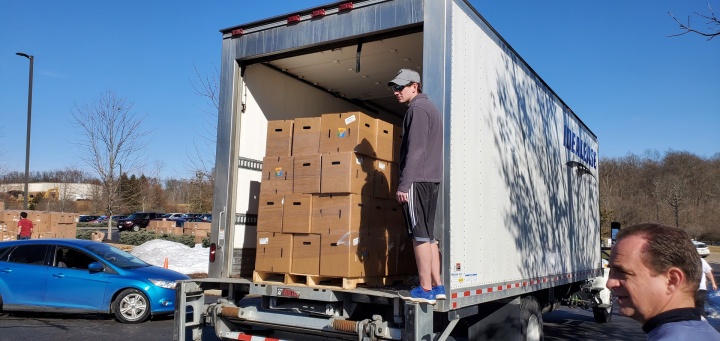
25	226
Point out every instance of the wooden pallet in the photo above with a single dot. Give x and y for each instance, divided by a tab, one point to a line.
316	281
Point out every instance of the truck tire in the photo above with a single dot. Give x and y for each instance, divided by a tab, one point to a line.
603	314
531	319
136	228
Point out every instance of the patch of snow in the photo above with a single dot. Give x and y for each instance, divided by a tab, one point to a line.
181	258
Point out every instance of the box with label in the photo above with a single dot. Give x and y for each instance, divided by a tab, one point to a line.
385	182
270	213
306	173
277	168
9	216
40	220
347	173
385	141
306	254
306	136
348	132
297	213
279	138
340	213
344	255
7	236
274	252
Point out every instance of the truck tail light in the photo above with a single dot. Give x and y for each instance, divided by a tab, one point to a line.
346	6
213	248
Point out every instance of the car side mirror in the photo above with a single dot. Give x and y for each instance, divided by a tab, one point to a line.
96	267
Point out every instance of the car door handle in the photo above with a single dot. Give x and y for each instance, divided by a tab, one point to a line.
60	275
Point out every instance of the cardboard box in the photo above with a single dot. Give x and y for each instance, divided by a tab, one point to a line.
274	252
403	260
297	213
347	173
306	254
348	132
339	213
385	142
270	213
7	236
385	182
279	138
343	255
377	216
379	256
97	236
9	216
277	168
276	187
397	142
306	174
306	136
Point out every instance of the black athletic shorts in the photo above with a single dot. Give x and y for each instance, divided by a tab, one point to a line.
420	211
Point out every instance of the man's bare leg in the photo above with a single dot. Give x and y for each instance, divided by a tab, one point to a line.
435	268
424	261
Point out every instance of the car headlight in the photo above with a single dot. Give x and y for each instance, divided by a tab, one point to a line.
163	283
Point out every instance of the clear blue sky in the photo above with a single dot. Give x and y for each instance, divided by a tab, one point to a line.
611	62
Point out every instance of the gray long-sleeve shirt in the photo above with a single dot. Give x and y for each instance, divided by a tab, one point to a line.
422	144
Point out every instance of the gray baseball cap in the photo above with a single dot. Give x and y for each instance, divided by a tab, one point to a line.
405	77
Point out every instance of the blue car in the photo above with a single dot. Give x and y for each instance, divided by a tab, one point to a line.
82	276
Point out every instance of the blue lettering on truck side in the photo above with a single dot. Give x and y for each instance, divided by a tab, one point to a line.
574	143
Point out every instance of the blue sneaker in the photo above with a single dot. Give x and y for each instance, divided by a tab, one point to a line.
418	294
439	292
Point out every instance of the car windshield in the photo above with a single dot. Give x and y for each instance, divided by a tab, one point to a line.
117	257
700	245
135	216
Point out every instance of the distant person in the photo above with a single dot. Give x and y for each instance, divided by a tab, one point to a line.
25	227
420	173
654	274
701	294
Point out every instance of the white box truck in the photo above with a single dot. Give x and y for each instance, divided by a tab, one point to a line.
518	214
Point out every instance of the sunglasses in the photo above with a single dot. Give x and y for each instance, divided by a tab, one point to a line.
398	88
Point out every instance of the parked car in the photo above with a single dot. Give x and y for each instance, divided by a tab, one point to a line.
98	220
137	221
87	218
83	276
702	248
115	218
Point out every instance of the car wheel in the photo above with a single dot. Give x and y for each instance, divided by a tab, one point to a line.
131	306
136	228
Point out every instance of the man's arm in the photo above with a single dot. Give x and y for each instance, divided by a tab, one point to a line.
710	275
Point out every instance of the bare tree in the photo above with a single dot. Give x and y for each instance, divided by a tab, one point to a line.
111	136
712	30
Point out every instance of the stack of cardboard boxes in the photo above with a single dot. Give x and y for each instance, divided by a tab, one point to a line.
327	199
45	224
199	230
164	226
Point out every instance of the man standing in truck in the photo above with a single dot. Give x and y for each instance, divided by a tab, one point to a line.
421	168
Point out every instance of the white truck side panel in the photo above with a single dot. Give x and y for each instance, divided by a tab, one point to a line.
518	212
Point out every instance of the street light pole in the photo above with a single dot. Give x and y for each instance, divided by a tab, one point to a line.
27	140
